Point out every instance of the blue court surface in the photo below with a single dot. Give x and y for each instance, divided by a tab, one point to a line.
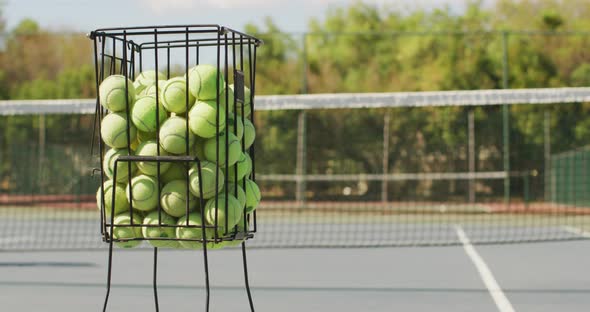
520	277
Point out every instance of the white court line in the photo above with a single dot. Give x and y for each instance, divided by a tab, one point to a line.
16	239
485	273
577	231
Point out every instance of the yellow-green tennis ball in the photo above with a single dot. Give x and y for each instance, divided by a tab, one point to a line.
196	232
207	181
144	115
150	148
148	77
112	93
145	192
174	197
203	119
168	233
146	136
249	133
244	165
232	120
176	171
138	88
199	148
233	145
113	130
244	109
241	195
121	203
202	82
127	233
252	195
173	135
149	90
122	166
174	94
216	210
134	144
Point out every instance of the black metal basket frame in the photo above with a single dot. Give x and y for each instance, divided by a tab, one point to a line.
131	56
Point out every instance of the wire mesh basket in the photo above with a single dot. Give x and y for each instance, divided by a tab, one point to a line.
175	109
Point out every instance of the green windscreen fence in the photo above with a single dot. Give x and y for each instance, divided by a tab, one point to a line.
570	177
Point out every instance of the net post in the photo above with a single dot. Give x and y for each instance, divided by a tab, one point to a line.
471	154
42	141
547	157
505	120
301	156
526	186
385	164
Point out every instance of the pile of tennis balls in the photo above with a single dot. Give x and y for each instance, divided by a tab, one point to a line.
142	130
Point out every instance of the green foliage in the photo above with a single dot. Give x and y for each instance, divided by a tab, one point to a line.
581	76
552	20
363	47
69	84
26	27
371	48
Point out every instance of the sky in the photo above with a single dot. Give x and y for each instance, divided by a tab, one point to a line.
86	15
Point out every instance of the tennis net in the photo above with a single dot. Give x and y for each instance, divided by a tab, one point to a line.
339	170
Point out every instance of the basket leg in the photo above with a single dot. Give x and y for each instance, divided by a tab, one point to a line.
156	279
246	276
206	264
109	271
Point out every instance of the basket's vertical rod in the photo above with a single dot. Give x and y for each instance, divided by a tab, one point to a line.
218	86
113	64
97	119
97	107
167	62
132	62
127	111
140	59
109	271
155	283
252	64
246	221
99	77
128	124
111	238
186	99
226	131
246	279
235	119
244	258
101	112
204	235
197	53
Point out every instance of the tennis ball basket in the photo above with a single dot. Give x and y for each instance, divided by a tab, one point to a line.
175	120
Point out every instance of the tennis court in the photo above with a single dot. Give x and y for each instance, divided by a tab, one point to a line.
532	277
